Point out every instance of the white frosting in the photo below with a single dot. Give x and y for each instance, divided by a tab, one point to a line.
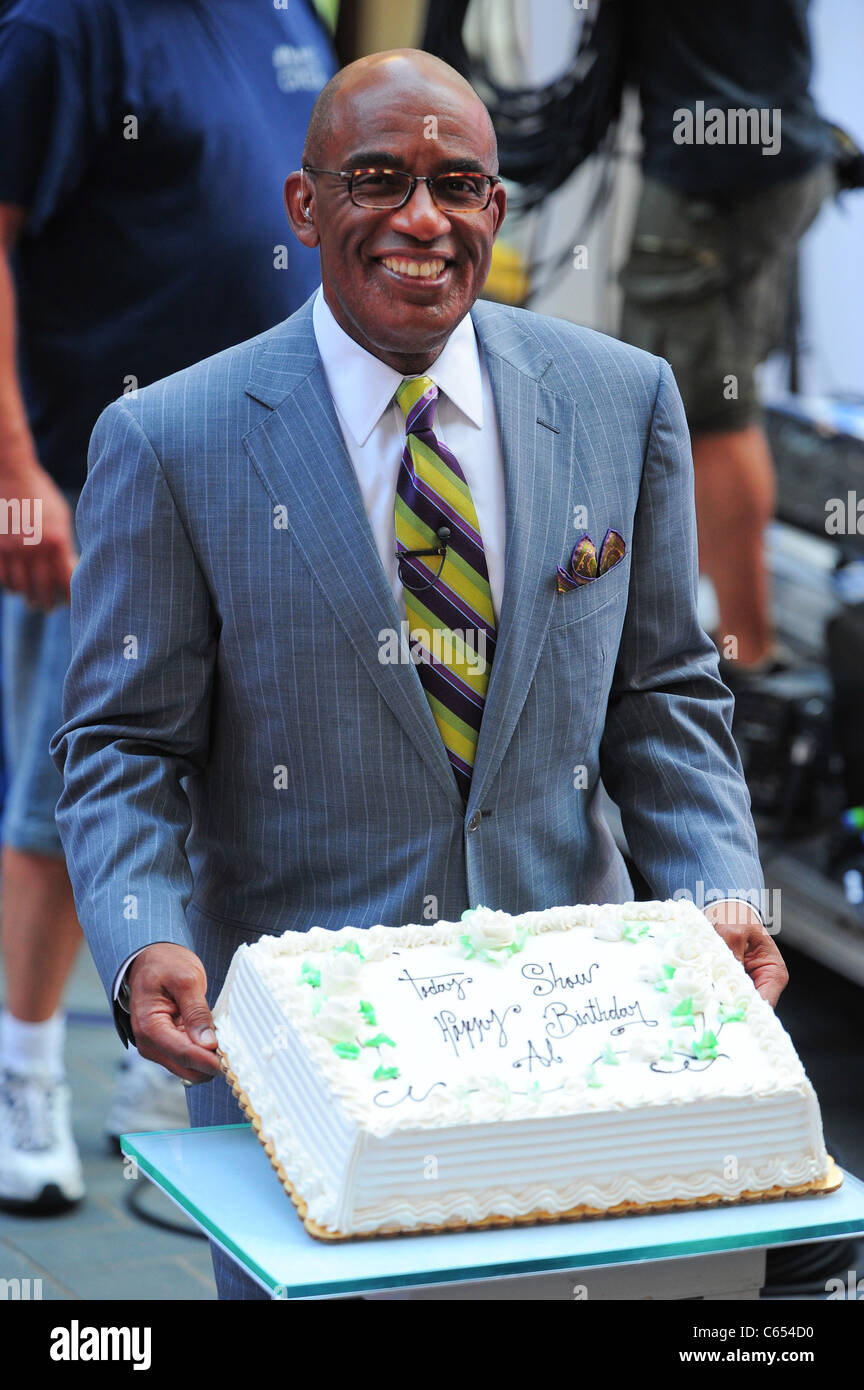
577	1055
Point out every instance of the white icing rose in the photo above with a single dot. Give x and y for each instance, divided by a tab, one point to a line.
684	950
690	984
644	1048
609	930
340	972
649	973
337	1020
488	930
735	986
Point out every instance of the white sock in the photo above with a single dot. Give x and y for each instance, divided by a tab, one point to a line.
31	1047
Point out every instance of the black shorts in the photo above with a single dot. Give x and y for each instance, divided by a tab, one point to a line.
707	286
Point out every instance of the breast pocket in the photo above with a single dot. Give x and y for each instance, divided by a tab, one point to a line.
608	591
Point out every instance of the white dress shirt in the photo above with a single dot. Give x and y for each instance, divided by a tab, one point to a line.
373	427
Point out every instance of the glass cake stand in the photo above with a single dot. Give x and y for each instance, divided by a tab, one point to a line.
221	1177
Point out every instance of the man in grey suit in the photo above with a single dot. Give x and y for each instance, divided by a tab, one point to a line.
251	744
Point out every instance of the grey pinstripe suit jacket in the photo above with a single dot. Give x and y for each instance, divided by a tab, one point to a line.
237	760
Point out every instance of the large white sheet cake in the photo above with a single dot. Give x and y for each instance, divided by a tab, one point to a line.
515	1067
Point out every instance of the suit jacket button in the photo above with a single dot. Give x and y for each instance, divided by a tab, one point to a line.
475	820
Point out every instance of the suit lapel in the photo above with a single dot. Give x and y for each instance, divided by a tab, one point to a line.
299	454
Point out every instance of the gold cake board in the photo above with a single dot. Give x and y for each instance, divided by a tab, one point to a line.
819	1186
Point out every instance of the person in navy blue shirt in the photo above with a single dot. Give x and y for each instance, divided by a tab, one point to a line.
143	151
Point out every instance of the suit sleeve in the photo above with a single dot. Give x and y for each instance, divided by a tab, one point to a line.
136	701
667	755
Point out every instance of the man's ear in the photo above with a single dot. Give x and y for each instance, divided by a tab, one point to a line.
299	205
499	204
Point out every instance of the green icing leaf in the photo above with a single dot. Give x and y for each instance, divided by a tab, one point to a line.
385	1074
682	1014
733	1013
609	1056
368	1013
591	1076
309	975
668	1055
634	932
668	971
346	1049
351	948
379	1040
705	1047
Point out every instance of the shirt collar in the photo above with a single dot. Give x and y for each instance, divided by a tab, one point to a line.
362	386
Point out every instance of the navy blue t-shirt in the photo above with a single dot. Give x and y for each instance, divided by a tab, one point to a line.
738	55
149	141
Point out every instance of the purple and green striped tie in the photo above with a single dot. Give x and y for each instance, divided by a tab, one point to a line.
452	620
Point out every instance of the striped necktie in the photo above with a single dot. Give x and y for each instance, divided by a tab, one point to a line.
450	615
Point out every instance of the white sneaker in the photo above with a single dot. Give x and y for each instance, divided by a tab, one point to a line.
40	1170
147	1097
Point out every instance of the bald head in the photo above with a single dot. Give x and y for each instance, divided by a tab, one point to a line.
399	273
407	73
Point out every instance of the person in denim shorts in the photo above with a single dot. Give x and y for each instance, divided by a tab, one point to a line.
142	155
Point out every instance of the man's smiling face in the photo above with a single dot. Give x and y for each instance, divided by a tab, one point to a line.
399	280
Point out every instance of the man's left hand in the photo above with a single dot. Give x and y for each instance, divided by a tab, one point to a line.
749	942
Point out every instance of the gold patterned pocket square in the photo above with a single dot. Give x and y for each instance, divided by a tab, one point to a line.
584	566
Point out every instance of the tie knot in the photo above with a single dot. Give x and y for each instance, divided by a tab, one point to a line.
416	398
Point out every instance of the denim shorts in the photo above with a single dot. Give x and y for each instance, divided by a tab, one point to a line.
36	648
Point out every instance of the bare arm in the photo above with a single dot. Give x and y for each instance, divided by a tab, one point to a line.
40	571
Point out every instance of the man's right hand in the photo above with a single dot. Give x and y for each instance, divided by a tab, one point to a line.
170	1019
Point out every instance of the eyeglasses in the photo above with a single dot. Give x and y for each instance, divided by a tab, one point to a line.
391	188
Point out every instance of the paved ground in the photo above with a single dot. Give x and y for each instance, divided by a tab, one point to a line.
103	1250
